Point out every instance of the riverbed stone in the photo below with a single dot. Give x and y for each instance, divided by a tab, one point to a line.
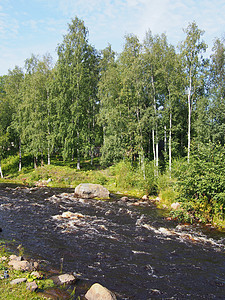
63	279
36	274
90	190
145	197
124	199
32	286
15	257
18	281
99	292
3	258
23	265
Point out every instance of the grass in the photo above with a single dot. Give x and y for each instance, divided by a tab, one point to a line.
65	175
13	292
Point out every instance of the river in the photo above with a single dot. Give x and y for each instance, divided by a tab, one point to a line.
132	250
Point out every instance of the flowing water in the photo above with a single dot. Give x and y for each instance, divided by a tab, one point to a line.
131	250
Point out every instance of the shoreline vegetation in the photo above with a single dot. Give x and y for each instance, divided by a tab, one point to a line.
192	193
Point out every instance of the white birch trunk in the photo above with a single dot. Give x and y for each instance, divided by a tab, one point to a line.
165	140
20	156
153	144
1	174
49	157
35	162
157	153
189	117
170	144
78	152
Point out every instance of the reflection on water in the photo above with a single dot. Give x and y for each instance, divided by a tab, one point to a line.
133	251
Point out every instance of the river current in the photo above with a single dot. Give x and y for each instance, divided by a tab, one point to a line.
132	250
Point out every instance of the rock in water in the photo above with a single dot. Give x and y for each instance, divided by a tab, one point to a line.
99	292
64	279
90	190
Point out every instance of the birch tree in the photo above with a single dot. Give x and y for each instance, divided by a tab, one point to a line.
191	50
14	93
75	71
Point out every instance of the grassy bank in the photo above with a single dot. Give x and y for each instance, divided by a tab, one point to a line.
18	291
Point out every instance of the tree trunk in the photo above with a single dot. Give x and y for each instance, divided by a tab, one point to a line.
153	145
78	152
165	140
20	156
92	157
142	159
170	144
49	157
1	174
35	162
157	153
42	160
189	118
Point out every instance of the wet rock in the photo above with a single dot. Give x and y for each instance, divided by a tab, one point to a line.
32	286
98	292
36	274
175	205
155	292
23	265
64	279
70	215
35	265
3	258
90	190
15	257
165	231
18	281
56	294
124	199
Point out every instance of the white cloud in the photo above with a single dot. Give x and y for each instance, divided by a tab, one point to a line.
107	20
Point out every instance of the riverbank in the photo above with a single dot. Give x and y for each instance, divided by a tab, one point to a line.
13	281
124	179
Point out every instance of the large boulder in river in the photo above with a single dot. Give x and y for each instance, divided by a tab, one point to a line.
90	190
99	292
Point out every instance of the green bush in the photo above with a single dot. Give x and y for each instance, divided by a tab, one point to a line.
201	182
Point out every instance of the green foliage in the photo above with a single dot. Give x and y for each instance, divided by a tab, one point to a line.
201	183
128	177
45	284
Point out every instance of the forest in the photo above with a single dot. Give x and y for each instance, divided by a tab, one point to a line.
155	109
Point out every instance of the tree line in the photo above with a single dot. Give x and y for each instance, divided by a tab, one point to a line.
151	102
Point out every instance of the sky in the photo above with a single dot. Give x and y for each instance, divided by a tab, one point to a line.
37	26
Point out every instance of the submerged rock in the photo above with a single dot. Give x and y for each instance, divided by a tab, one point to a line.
90	190
99	292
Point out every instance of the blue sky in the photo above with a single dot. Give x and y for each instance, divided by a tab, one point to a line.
38	26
